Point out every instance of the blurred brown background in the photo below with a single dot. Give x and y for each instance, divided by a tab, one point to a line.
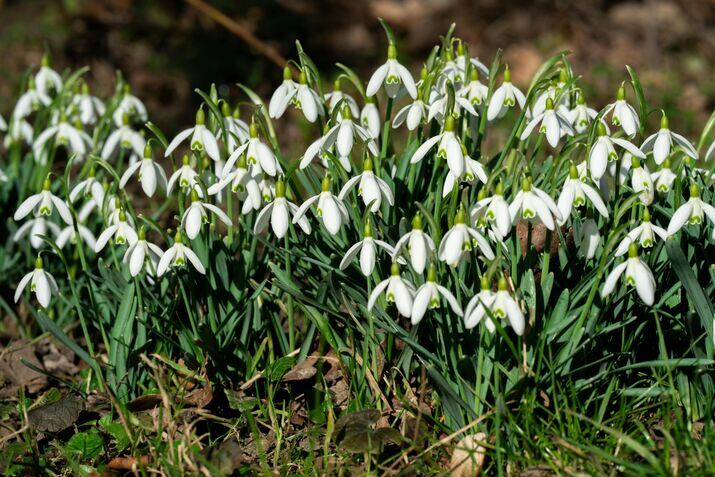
167	48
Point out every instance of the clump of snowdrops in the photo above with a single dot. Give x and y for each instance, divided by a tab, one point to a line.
499	235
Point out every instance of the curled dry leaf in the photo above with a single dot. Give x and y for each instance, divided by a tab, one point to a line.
468	456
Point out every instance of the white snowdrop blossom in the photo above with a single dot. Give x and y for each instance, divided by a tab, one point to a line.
487	304
574	193
691	212
129	106
278	213
243	184
47	79
416	245
581	115
35	228
603	151
449	147
371	188
367	248
428	296
637	274
299	94
532	203
63	134
588	238
30	101
179	255
121	231
663	178
259	157
124	137
202	139
645	235
3	124
90	107
662	142
89	187
316	148
42	284
393	75
397	291
370	117
460	239
196	215
551	122
43	203
344	133
20	131
412	115
641	181
151	174
623	114
329	208
142	254
504	98
337	97
69	235
475	91
282	95
236	129
473	170
495	212
185	176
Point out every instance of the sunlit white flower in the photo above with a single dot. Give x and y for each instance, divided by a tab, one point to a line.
416	245
90	107
278	212
393	75
35	228
473	170
330	208
185	176
69	235
641	181
282	95
131	106
663	178
31	100
533	203
3	124
344	133
63	134
460	239
370	117
19	131
236	129
581	115
551	122
337	97
42	284
603	151
412	114
475	91
124	137
243	184
259	157
623	114
151	174
428	296
449	147
588	238
487	304
371	188
177	256
691	212
197	214
637	274
495	212
645	235
438	106
574	193
551	92
89	187
662	142
504	98
367	248
142	254
202	139
43	203
397	291
47	79
121	231
317	148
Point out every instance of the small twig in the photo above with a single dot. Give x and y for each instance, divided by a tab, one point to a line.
240	31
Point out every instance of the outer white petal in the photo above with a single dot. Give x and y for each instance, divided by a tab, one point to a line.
136	260
403	297
612	279
21	286
496	103
27	206
516	317
42	288
453	303
279	218
350	255
679	218
595	198
367	257
645	284
177	140
421	302
379	288
165	260
378	77
424	148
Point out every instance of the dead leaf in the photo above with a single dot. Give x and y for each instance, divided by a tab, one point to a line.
145	402
14	374
304	370
57	360
57	415
200	397
468	456
128	462
355	432
226	457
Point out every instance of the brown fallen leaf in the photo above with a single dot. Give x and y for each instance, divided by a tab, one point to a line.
128	462
145	402
15	374
468	456
57	415
300	372
56	359
199	397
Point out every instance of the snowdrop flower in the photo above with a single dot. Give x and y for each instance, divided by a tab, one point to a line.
438	107
47	79
661	143
493	210
35	228
202	139
259	157
427	296
282	95
267	186
392	74
588	238
533	203
397	291
68	235
645	235
371	188
691	212
90	107
177	256
710	152
150	173
475	91
317	148
130	106
641	181
330	209
75	140
124	137
243	184
504	98
449	147
623	114
574	194
142	254
121	231
3	124
637	274
89	187
236	129
185	175
412	114
344	133
500	305
473	170
307	100
197	214
43	203
552	123
20	131
42	284
334	98
30	101
603	151
367	248
459	240
664	178
417	244
539	105
463	61
581	115
370	117
278	212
